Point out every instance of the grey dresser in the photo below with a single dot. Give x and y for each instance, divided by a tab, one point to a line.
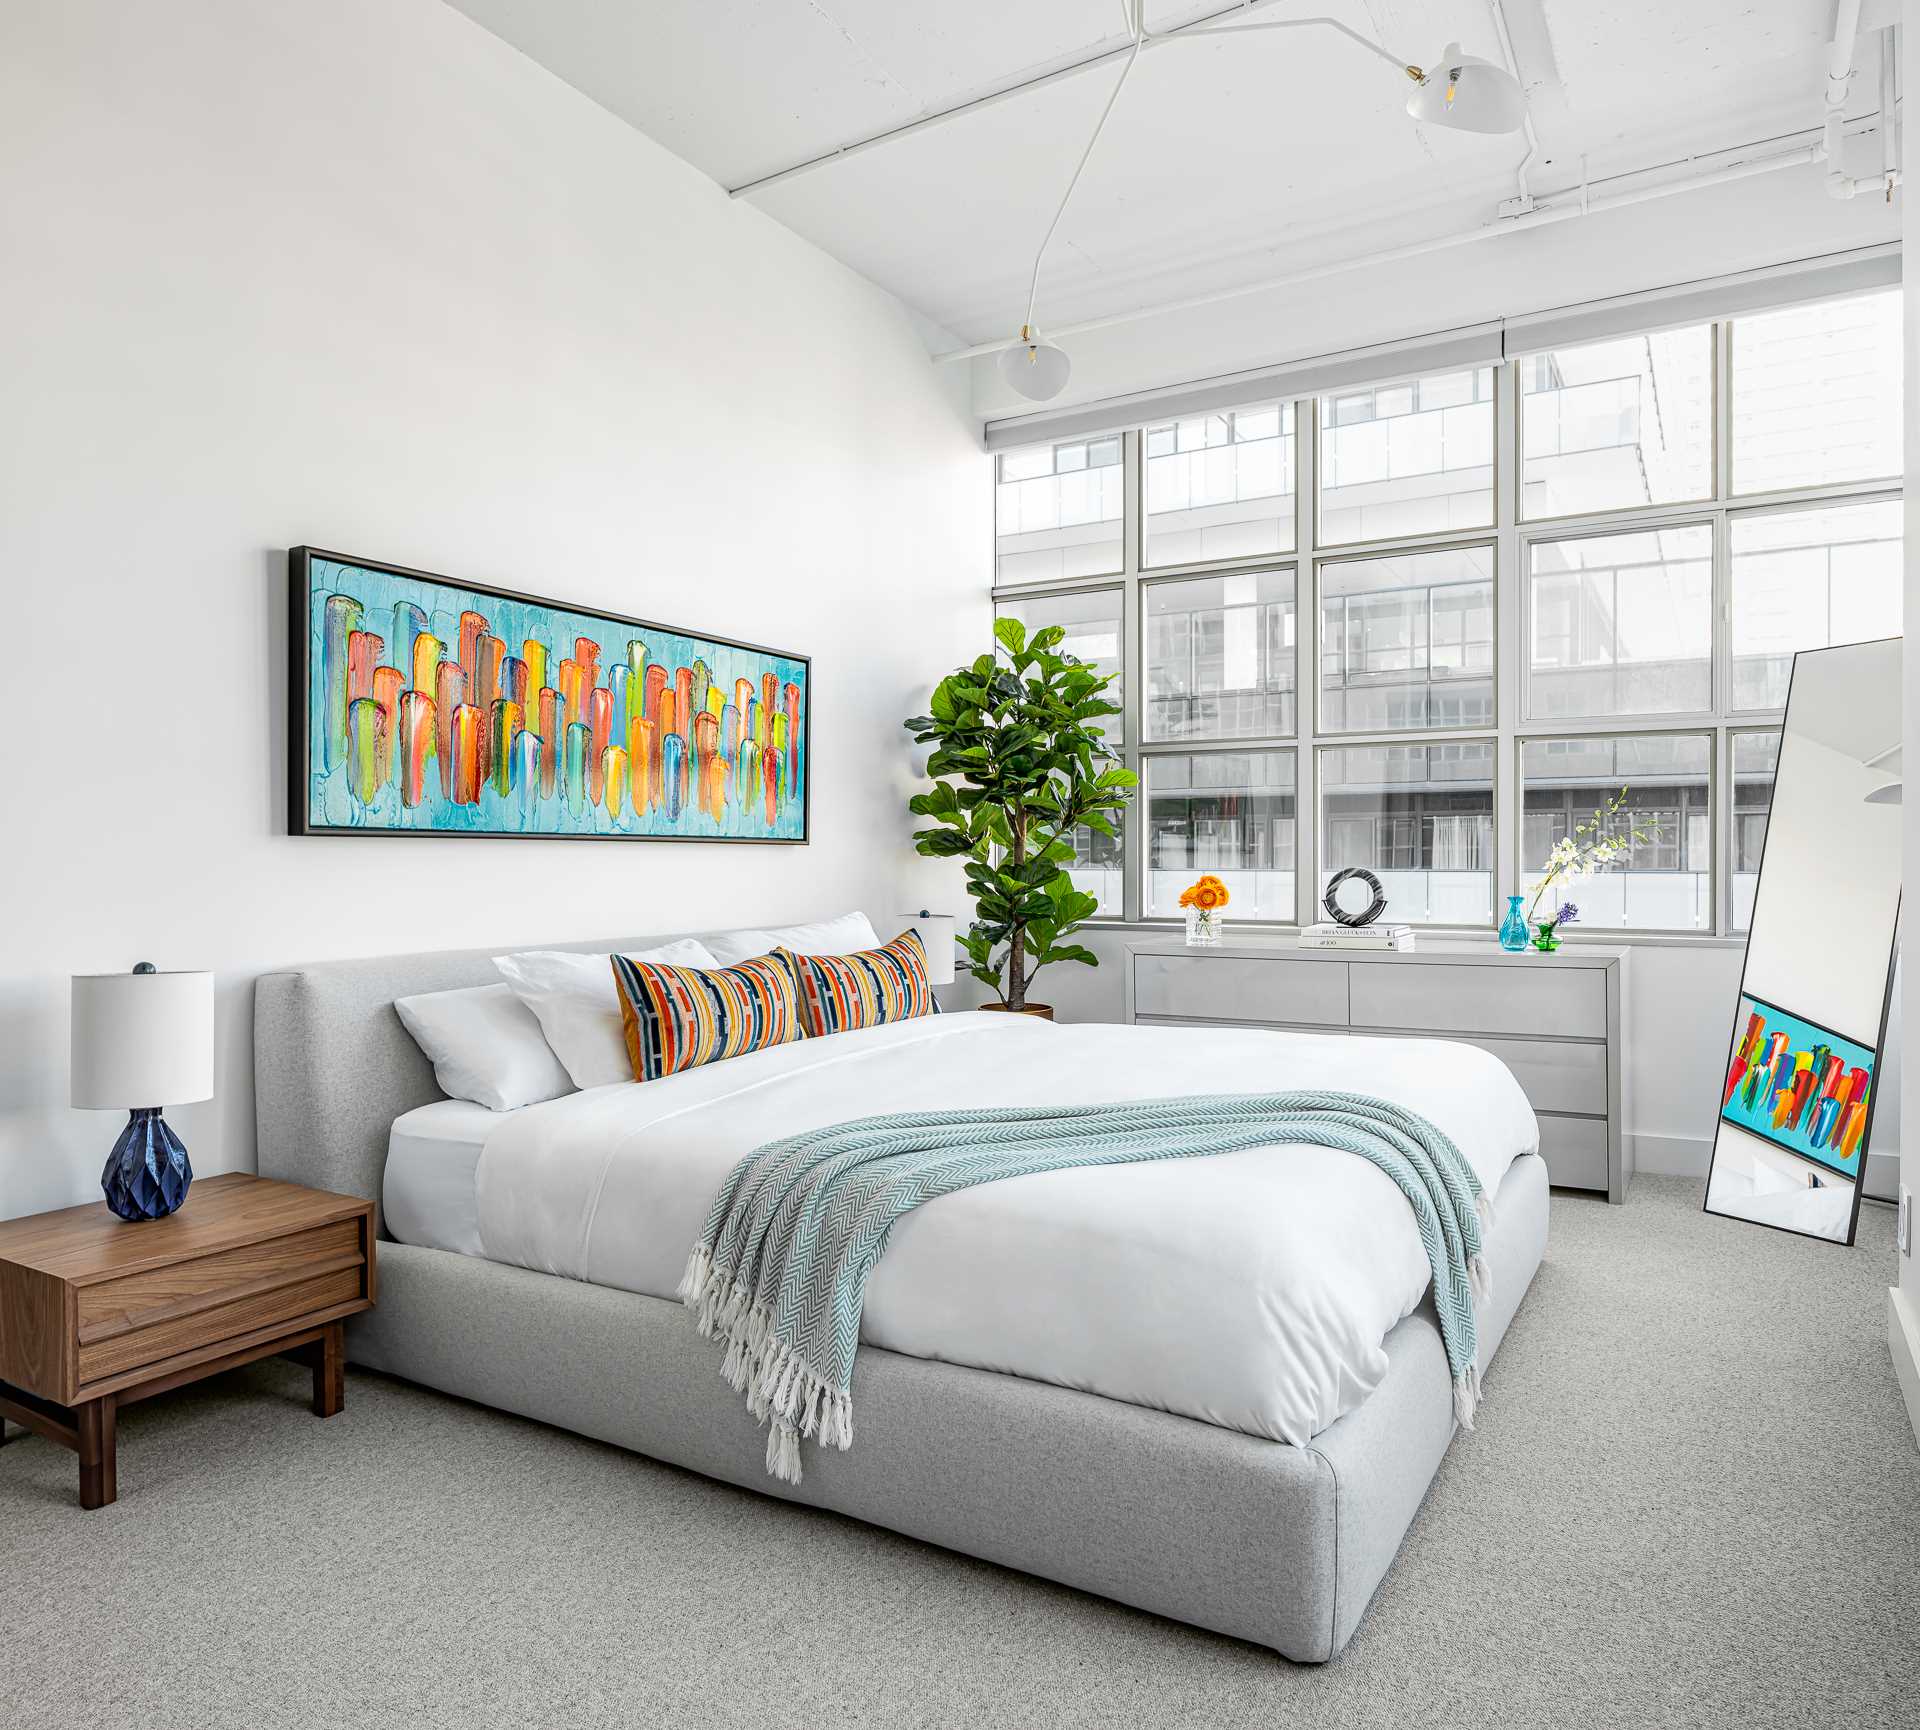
1557	1021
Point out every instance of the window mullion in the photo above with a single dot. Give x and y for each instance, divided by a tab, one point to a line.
1306	668
1509	635
1133	826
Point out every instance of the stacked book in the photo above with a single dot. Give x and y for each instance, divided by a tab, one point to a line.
1356	937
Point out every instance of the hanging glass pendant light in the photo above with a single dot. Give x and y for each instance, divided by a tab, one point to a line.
1034	367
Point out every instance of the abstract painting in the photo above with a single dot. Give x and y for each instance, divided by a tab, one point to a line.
1799	1085
423	706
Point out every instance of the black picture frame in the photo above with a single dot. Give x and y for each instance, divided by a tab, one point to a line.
1741	993
300	566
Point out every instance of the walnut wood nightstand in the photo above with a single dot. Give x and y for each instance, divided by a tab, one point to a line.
97	1312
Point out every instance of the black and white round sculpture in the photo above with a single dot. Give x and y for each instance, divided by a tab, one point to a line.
1348	909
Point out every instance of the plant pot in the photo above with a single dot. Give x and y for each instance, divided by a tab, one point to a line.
1043	1010
1544	938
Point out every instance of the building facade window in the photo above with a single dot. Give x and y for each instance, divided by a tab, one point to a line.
1220	486
1501	595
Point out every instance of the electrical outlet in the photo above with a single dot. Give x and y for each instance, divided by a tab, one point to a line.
1903	1229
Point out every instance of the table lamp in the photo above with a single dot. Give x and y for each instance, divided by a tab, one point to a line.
142	1040
936	937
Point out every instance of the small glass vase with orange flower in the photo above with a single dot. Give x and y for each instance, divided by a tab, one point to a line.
1206	906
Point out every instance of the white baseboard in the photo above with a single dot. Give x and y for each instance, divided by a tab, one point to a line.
1688	1156
1903	1337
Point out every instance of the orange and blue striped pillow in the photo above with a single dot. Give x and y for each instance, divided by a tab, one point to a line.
677	1018
839	993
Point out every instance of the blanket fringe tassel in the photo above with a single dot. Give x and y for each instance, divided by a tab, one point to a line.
1483	1206
783	1390
1480	1280
1466	1396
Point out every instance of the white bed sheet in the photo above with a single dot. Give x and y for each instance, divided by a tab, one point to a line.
429	1195
1252	1290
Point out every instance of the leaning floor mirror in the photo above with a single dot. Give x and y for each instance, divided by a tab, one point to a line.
1809	1029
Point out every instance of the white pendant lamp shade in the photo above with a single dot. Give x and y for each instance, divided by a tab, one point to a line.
1468	94
1035	367
936	937
141	1039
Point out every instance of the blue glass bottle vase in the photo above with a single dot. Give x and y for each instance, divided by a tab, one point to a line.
147	1173
1513	928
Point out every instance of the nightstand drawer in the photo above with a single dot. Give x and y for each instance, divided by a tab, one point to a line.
208	1326
164	1294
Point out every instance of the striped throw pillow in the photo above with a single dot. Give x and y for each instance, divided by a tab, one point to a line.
677	1018
839	993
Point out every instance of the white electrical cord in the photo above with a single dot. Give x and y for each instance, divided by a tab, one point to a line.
1136	11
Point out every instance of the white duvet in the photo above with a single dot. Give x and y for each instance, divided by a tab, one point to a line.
1251	1290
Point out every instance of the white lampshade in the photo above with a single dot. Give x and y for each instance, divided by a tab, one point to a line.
141	1039
1035	367
936	936
1468	94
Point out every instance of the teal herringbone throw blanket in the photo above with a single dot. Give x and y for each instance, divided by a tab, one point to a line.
780	1271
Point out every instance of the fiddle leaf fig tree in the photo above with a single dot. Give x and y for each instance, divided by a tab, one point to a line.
1019	763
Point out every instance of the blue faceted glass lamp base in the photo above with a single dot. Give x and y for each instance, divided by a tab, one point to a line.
147	1173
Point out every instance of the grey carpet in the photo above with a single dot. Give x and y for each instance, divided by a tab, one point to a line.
1693	1499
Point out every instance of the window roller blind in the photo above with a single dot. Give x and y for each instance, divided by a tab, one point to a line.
1831	277
1476	345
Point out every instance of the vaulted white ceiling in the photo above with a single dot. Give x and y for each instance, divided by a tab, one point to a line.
1222	161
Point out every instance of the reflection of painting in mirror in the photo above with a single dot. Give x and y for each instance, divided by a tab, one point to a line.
1796	1104
1800	1086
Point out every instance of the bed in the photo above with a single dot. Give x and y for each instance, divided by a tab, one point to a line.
1247	1468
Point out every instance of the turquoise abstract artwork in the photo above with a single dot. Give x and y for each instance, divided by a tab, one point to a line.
426	706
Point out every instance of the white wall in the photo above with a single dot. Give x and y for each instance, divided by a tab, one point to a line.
354	272
1903	1312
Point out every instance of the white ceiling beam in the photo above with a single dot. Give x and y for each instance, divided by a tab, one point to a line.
992	99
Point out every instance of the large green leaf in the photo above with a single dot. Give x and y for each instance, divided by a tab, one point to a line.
1018	760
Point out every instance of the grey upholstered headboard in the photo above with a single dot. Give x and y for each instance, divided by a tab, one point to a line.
333	1066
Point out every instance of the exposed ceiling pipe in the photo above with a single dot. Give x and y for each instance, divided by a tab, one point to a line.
1889	134
1846	26
1840	57
1525	200
1557	207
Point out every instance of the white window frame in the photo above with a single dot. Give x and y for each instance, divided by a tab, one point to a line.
1511	539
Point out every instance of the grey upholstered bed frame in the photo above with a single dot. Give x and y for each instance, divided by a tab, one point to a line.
1275	1544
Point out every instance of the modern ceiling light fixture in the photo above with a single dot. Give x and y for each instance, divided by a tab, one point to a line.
1469	94
1461	92
1032	366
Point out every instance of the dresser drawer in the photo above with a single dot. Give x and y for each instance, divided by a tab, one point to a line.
1224	988
1554	1074
144	1317
1575	1149
1512	999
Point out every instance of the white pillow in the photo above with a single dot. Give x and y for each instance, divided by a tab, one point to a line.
574	999
846	935
485	1045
